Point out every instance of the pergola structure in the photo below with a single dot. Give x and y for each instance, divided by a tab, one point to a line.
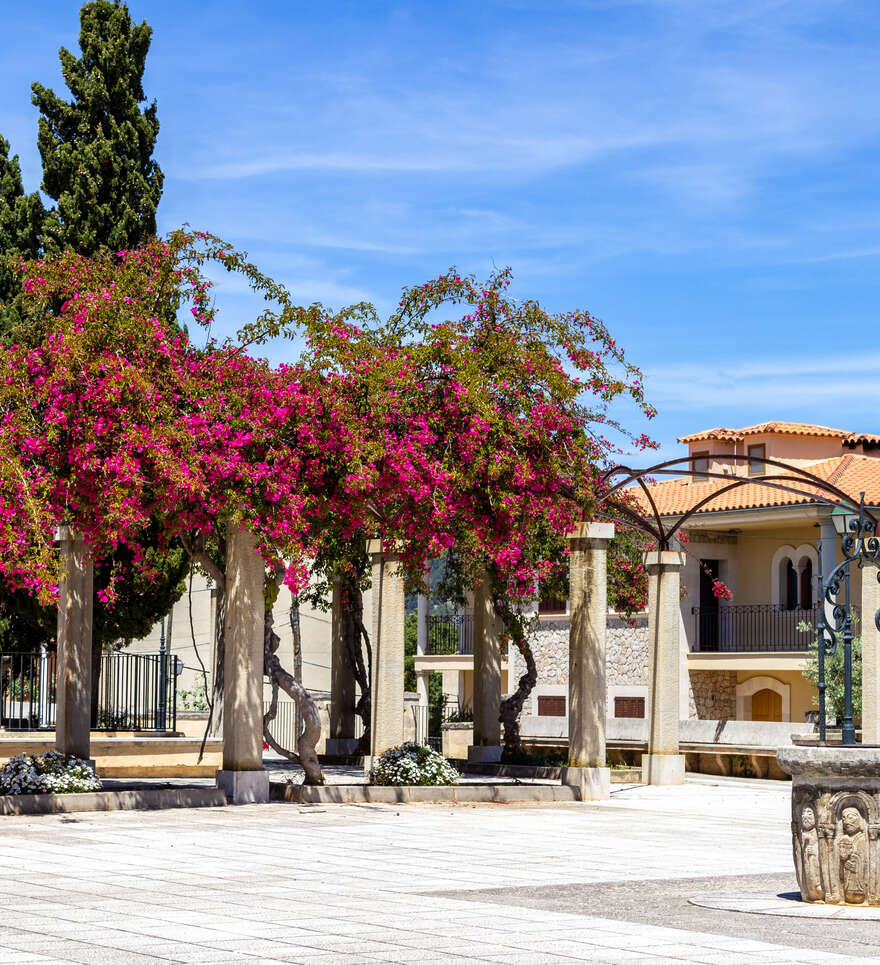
242	775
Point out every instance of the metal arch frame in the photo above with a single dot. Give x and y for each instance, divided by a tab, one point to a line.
861	545
790	481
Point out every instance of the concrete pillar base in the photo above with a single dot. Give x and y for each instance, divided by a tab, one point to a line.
662	768
244	787
484	754
341	746
593	783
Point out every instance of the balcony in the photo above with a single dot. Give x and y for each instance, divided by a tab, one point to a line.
752	628
453	633
450	633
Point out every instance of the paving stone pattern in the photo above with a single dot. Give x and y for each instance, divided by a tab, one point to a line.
339	885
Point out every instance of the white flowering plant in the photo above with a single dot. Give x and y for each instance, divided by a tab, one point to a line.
48	773
412	763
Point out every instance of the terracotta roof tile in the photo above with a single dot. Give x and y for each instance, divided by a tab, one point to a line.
762	428
850	473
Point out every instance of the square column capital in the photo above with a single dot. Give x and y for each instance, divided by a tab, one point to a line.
376	547
664	560
592	531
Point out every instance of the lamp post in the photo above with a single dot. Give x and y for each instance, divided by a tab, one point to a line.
163	681
859	544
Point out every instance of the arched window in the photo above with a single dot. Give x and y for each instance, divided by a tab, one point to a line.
807	585
790	600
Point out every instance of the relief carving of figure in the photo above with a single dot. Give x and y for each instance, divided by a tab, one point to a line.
811	876
853	856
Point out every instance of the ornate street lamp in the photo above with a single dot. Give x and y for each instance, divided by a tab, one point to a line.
859	544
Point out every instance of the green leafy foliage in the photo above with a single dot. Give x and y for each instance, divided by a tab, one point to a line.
834	678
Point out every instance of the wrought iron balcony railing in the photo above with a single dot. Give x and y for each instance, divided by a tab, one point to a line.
752	628
451	633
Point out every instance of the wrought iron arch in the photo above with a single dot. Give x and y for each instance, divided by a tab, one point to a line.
793	480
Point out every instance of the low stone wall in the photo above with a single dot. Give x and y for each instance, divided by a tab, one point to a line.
455	740
139	799
130	756
455	794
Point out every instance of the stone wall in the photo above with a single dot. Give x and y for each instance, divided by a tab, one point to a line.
626	654
712	694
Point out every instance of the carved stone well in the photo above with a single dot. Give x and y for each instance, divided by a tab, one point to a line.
835	826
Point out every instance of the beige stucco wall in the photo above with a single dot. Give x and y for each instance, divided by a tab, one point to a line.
795	450
314	629
755	551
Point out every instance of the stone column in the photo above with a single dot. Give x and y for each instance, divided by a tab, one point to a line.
587	692
342	684
828	557
242	776
870	601
73	674
422	625
663	764
422	687
486	748
386	684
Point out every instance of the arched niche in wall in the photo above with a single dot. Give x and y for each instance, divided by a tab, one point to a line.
748	688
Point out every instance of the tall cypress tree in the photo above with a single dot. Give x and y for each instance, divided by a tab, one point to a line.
21	217
98	168
97	148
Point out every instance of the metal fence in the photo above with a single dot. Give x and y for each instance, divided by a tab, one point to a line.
451	633
27	690
285	728
136	691
753	628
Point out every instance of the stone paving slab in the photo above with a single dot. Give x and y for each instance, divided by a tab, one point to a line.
346	884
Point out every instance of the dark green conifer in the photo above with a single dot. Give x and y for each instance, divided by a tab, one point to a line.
21	217
97	148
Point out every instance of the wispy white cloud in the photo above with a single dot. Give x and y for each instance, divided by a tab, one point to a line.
843	383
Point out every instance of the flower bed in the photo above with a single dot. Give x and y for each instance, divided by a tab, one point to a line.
412	764
48	773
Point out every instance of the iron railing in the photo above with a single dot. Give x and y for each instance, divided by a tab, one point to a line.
285	728
27	690
752	628
451	633
136	691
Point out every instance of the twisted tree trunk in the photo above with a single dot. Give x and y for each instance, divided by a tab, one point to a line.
511	707
296	634
359	654
306	754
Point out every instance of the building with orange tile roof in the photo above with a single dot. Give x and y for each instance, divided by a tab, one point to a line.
745	656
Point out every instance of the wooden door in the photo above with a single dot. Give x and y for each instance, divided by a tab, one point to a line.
767	705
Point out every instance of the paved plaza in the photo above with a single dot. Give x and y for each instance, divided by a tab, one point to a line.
340	885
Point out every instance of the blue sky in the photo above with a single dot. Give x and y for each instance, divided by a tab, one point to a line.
701	175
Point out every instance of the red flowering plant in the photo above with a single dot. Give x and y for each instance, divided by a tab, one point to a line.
721	590
485	432
475	435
